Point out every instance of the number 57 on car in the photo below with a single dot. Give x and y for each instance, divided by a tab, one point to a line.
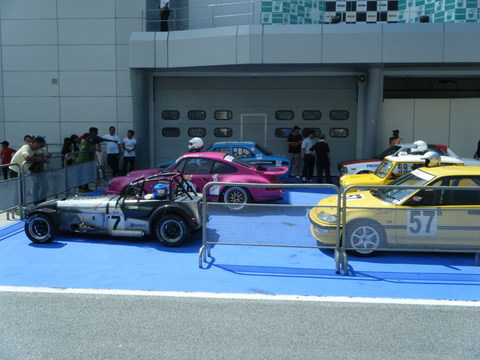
407	217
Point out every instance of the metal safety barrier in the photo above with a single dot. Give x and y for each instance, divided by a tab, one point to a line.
56	178
258	224
436	219
449	223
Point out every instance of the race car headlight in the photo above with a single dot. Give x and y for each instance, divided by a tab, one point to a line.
343	169
327	217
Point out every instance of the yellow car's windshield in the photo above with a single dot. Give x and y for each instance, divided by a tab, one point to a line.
384	168
394	195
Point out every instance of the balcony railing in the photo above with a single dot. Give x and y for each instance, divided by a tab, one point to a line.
203	17
249	12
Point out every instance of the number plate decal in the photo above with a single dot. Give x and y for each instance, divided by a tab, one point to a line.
422	223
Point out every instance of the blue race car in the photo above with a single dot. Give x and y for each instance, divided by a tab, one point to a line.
249	151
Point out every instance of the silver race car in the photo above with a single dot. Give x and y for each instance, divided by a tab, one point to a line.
170	213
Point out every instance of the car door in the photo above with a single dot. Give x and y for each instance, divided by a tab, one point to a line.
198	171
242	152
442	218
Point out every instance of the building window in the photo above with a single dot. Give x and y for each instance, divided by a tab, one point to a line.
338	132
170	114
282	132
305	132
284	115
197	115
223	132
197	132
223	115
171	132
311	115
339	115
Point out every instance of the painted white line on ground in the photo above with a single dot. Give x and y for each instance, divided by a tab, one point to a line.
339	299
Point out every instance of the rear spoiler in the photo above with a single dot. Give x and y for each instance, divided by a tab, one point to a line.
272	171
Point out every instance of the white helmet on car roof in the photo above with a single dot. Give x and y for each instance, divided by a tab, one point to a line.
432	159
195	144
419	146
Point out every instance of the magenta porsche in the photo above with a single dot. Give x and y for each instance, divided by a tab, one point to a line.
204	167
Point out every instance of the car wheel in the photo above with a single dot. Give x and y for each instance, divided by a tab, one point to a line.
236	197
364	238
364	172
40	228
171	230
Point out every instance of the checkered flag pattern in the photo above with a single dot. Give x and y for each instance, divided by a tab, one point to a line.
355	12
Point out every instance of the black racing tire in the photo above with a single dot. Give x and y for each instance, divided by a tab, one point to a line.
363	238
40	228
236	197
171	230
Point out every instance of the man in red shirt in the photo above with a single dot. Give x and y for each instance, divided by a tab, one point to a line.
7	154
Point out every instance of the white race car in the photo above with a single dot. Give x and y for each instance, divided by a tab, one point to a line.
418	147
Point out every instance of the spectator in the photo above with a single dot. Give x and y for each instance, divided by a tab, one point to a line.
86	154
308	156
27	139
129	146
93	137
395	139
39	179
322	154
6	154
477	153
67	150
100	164
29	152
32	152
294	151
113	150
164	14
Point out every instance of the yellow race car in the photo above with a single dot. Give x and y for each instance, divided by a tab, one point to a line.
409	218
392	167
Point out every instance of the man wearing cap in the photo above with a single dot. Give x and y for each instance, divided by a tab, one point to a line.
395	139
294	151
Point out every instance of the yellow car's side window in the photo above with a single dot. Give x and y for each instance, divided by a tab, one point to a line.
457	197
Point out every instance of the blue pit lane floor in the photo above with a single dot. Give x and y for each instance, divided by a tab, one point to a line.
100	262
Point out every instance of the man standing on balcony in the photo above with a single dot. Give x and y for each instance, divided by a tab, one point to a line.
164	14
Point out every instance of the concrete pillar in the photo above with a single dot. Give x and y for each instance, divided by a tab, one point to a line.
373	103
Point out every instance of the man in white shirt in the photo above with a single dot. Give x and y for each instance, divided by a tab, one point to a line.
113	150
164	14
129	146
308	156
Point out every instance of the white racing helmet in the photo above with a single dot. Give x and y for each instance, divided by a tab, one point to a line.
419	146
195	144
432	159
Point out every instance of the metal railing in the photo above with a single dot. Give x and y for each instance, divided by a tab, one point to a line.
412	228
201	17
244	230
57	178
452	225
249	12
